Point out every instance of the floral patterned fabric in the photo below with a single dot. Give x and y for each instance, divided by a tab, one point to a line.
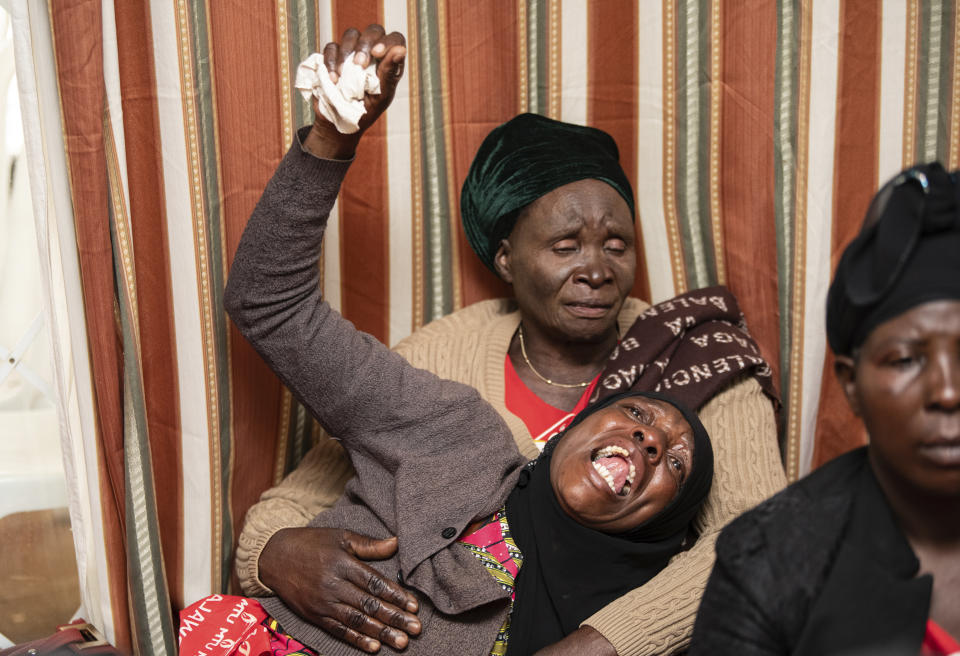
493	544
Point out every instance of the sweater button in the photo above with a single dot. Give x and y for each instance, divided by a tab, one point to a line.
448	532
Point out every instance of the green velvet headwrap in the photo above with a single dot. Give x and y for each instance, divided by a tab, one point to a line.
526	158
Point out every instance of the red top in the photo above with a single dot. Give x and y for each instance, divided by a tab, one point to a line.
937	642
542	419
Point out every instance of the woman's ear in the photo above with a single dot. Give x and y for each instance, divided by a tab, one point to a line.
501	261
845	369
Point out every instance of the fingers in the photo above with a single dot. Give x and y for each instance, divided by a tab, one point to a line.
331	59
338	592
356	629
373	42
369	548
347	44
348	635
369	614
387	42
371	580
392	595
363	617
365	43
394	55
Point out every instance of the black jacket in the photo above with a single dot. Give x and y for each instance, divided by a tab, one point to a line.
820	568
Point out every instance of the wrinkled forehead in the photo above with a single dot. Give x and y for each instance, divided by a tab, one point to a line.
572	204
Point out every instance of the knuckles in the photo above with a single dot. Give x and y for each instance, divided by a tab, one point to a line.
388	635
336	629
376	585
370	605
396	618
354	618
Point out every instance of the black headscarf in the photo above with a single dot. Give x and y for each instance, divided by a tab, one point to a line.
570	571
907	253
526	158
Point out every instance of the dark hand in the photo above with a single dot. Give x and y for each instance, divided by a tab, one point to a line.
390	51
319	575
585	641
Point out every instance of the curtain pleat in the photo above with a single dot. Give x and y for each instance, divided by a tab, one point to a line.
754	133
78	50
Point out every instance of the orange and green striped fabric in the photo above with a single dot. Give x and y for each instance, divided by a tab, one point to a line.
754	134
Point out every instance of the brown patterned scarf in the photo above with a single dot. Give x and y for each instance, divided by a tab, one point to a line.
688	348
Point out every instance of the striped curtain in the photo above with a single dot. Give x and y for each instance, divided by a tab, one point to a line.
754	133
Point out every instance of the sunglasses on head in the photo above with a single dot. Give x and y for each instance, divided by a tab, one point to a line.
921	199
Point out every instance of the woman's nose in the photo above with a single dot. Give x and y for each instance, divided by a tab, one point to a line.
594	269
944	381
651	443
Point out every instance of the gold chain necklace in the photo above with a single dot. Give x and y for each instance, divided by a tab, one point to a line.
523	351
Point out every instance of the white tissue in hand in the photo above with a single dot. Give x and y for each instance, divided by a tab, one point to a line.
340	103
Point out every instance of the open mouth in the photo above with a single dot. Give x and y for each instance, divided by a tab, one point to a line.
613	465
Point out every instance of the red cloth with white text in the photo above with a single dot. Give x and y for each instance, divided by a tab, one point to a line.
221	625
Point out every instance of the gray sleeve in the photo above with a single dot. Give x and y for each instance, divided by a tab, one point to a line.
402	426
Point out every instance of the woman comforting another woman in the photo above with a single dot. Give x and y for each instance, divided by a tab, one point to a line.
503	556
548	208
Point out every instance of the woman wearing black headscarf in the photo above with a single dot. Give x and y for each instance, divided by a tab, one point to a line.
571	570
863	556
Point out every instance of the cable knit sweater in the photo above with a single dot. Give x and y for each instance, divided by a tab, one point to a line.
470	346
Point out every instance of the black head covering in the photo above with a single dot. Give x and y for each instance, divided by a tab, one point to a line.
526	158
907	253
570	571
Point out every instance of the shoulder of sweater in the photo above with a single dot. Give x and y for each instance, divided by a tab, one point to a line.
806	515
632	308
467	346
477	315
744	400
474	317
449	343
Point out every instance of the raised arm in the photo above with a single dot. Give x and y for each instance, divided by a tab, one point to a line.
273	293
292	210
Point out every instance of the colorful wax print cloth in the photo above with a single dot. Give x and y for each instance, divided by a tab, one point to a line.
494	546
